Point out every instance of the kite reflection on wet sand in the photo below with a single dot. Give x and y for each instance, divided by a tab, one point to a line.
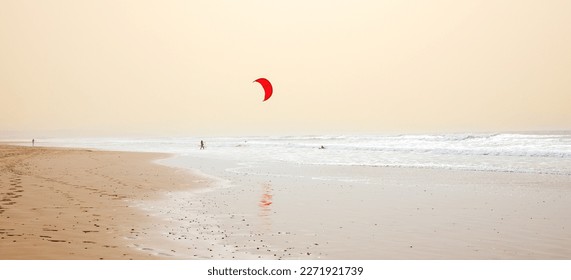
265	209
266	199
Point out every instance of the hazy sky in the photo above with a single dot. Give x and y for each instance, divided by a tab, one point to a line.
186	67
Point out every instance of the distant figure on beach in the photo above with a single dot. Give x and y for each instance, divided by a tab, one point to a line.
322	147
201	145
33	142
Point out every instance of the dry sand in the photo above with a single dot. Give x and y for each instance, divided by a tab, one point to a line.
77	204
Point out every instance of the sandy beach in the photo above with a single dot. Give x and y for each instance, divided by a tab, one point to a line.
77	203
86	204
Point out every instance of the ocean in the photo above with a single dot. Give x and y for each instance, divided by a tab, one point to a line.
502	152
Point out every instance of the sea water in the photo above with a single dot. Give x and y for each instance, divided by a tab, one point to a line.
502	152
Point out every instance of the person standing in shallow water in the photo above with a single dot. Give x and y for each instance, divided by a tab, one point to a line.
201	145
33	142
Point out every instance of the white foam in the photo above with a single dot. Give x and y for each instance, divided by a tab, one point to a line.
530	153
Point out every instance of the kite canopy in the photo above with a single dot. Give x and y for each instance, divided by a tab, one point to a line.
267	87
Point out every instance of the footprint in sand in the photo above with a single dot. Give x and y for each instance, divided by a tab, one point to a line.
5	230
57	240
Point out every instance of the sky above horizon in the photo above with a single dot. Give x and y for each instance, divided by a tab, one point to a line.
337	67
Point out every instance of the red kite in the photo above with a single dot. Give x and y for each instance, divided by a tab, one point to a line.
267	87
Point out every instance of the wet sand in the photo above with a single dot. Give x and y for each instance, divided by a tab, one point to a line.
277	210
